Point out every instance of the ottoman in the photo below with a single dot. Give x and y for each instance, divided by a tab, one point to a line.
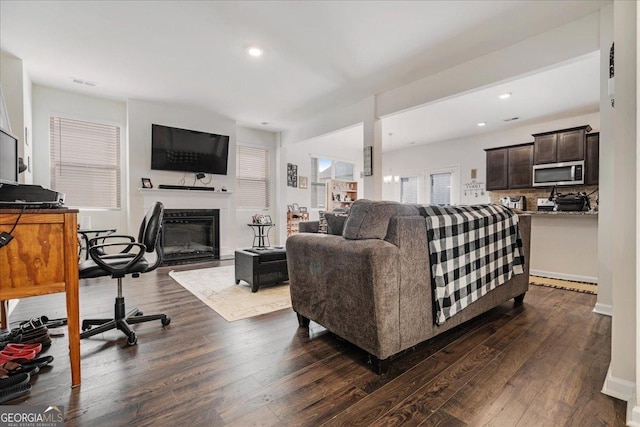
265	266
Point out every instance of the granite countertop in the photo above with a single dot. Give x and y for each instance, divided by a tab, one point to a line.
563	213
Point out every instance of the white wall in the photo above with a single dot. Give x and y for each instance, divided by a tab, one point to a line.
622	370
16	88
49	102
141	115
27	153
605	215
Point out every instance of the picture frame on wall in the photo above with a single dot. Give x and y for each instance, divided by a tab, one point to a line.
367	161
303	181
292	175
146	183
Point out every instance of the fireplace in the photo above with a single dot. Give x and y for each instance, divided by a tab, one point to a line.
190	235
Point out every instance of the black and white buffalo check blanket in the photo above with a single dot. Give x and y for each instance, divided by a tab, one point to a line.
473	249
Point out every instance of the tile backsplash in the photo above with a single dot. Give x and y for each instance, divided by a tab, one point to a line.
532	194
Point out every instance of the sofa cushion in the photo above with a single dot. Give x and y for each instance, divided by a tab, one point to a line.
335	222
370	219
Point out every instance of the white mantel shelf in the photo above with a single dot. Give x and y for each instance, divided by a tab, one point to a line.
151	191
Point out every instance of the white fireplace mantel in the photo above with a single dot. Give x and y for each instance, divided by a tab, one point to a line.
196	199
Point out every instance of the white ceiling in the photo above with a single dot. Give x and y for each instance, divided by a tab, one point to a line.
318	54
566	90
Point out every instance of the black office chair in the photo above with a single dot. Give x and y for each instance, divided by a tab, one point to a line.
129	260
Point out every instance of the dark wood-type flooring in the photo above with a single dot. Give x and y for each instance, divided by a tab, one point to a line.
539	364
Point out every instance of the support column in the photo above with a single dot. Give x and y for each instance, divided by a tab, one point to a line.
372	129
622	377
605	185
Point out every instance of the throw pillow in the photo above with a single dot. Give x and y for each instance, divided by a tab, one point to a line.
335	223
370	219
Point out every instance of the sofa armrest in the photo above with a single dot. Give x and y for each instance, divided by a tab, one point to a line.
351	287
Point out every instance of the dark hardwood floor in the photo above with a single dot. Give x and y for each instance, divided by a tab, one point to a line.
539	364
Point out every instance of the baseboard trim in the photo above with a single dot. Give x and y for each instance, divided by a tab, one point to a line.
633	413
604	309
562	276
619	388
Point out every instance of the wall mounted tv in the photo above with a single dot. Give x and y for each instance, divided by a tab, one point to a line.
183	150
8	158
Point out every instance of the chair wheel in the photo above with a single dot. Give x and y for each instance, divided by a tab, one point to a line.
165	321
132	339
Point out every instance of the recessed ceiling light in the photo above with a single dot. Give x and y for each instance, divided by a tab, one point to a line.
255	51
505	95
482	124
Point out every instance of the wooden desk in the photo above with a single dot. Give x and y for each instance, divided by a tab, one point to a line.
42	259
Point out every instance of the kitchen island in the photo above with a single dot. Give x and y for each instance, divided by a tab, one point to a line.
564	245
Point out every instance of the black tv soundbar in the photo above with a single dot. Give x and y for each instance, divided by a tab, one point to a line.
185	187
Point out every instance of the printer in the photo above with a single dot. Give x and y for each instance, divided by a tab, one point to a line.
29	196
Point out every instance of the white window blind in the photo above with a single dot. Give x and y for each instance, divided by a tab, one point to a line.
85	162
252	177
409	189
441	189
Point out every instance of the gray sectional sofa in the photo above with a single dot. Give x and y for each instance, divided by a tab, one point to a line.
372	284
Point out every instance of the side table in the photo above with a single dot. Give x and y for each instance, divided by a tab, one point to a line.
261	234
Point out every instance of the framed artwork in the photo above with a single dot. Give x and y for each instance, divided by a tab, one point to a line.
292	175
303	181
368	161
146	183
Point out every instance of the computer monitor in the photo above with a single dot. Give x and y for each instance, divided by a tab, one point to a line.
8	158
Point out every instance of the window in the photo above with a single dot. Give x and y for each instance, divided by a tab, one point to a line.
323	170
409	189
85	162
252	177
440	188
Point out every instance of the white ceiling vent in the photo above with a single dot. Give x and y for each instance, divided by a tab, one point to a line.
83	82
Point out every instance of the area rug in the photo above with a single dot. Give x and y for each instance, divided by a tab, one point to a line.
588	288
216	287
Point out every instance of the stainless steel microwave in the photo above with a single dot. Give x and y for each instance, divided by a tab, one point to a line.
566	173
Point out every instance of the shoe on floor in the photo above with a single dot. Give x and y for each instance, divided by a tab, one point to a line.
14	392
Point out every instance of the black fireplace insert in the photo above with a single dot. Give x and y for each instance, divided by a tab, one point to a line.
190	235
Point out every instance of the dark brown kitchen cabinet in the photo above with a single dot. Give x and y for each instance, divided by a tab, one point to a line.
497	168
571	146
592	159
545	150
520	169
559	146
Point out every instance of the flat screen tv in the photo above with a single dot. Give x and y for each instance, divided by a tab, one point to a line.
8	158
174	149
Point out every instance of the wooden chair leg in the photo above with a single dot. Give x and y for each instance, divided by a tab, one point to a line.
4	324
